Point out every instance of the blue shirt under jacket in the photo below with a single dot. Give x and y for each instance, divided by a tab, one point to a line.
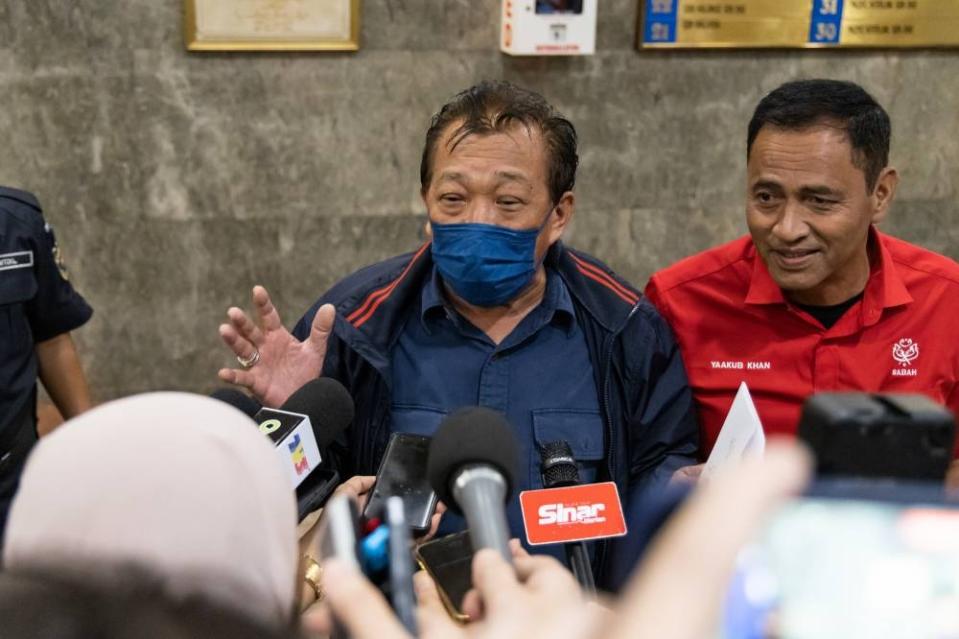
539	376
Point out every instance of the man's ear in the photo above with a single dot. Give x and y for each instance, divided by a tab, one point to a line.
884	193
427	229
561	215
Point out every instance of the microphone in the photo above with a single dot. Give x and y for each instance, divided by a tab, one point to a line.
328	405
238	400
307	423
559	470
472	465
310	419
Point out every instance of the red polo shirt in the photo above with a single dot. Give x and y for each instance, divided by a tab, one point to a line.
733	324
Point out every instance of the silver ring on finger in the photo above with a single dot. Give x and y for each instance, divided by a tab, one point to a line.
249	362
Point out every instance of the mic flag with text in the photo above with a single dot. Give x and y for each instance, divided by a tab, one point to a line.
308	422
572	513
292	435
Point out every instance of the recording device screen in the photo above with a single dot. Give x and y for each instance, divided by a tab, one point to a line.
403	473
449	561
850	568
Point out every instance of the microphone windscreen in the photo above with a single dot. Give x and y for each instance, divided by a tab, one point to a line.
473	435
558	465
238	400
328	405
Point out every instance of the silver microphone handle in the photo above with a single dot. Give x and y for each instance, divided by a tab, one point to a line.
480	492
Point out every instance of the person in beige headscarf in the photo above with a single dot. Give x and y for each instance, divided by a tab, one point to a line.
181	486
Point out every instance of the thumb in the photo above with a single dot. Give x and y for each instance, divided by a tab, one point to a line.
322	326
433	619
358	605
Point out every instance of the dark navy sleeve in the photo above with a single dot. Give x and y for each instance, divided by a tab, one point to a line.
664	434
57	308
663	437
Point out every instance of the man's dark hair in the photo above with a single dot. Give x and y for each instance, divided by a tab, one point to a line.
804	103
494	107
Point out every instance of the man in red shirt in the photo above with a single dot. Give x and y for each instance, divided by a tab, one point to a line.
815	298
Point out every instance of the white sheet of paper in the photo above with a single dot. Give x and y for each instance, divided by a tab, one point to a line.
741	435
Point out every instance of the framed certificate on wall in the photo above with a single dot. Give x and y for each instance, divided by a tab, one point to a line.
272	25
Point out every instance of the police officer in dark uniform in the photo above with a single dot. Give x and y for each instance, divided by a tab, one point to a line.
38	309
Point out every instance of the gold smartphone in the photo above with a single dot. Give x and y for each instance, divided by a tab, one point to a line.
449	561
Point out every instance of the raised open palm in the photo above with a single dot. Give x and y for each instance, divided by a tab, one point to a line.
283	363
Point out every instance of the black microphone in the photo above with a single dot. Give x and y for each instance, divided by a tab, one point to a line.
328	405
302	431
238	400
559	469
473	463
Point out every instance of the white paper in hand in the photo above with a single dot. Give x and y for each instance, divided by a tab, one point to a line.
741	436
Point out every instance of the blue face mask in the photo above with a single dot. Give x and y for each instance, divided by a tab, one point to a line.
485	264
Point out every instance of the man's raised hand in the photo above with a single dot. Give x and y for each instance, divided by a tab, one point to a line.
279	363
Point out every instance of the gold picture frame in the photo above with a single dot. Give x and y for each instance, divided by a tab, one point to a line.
271	25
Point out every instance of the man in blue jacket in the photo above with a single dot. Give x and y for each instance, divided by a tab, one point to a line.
492	311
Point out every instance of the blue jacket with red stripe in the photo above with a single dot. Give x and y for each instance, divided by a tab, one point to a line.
644	395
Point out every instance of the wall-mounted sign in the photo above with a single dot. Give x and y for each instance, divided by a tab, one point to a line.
548	27
272	25
798	23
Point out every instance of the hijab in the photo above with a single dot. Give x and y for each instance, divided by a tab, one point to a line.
181	485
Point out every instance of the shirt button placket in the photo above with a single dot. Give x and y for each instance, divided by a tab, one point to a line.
494	383
826	367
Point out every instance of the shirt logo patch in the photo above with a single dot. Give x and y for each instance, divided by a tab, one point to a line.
905	352
21	259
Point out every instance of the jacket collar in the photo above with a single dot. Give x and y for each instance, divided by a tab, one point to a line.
556	301
606	298
370	317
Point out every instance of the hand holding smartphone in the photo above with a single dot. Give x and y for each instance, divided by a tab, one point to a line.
449	561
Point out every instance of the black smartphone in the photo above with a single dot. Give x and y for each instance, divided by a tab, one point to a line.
449	561
402	473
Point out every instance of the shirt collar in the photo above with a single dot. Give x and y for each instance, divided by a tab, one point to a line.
557	305
432	300
884	289
762	287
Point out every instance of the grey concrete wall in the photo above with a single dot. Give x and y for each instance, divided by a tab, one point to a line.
176	181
